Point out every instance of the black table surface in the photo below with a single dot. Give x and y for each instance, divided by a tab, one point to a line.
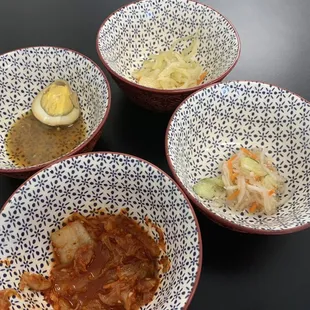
244	272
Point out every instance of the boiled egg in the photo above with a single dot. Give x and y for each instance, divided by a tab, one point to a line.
56	105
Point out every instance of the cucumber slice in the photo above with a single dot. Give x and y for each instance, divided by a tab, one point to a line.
218	181
252	165
209	188
269	182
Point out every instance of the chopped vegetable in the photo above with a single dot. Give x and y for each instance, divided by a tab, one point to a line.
269	182
209	188
250	165
171	69
249	153
234	195
253	207
251	182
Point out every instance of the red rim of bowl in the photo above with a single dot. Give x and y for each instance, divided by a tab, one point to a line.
216	218
198	273
175	91
85	142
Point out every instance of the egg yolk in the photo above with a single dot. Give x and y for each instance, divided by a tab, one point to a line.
56	101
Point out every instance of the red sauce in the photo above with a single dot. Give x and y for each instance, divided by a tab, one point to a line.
118	270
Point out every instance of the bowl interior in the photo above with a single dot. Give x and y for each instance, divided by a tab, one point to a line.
213	123
146	27
88	184
25	72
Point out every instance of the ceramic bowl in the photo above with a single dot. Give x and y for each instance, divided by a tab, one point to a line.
25	72
128	36
86	184
213	123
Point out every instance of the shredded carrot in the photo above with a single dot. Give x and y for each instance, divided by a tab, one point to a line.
231	159
230	169
249	153
271	192
201	78
234	195
257	178
234	177
253	208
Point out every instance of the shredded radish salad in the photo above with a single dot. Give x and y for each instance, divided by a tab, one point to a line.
249	181
171	69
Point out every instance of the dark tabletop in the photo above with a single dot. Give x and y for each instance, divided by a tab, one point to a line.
242	272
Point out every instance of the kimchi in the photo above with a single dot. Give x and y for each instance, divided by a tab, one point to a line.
102	262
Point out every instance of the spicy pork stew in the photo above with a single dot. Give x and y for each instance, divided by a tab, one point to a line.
104	262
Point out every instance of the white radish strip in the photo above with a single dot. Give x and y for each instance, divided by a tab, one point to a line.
266	202
247	194
256	188
242	188
225	181
273	205
231	188
237	198
226	174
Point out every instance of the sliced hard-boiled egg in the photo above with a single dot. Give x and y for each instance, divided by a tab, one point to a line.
56	105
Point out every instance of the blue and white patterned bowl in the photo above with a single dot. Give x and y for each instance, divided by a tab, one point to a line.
129	35
213	123
25	72
86	184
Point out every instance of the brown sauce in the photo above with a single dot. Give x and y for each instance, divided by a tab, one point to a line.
31	142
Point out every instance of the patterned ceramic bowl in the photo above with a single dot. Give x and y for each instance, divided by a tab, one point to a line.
128	36
25	72
85	184
213	123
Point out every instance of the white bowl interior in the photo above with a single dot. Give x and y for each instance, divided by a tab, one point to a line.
25	72
87	184
213	123
146	27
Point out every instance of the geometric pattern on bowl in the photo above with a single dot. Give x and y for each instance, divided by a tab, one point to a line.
25	72
87	184
128	37
213	123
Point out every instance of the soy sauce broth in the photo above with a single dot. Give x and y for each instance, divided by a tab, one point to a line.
30	142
